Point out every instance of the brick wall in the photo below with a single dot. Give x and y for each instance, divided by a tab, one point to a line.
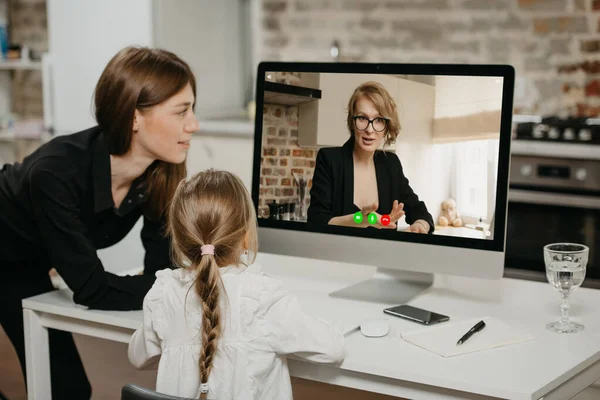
28	26
554	45
281	157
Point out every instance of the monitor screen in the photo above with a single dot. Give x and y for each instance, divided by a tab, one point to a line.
397	152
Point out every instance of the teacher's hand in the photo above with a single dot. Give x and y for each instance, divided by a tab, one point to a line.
419	226
396	213
366	210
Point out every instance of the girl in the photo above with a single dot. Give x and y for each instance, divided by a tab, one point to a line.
82	192
220	327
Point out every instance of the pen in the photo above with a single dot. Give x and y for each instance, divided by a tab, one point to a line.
478	326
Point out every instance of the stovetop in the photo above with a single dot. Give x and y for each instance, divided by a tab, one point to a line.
558	130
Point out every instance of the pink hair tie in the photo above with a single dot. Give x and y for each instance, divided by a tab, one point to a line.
207	249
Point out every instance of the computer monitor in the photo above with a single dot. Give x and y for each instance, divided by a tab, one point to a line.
342	150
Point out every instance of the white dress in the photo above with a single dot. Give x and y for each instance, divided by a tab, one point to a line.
261	324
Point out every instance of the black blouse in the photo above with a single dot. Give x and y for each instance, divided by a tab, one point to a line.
332	192
56	208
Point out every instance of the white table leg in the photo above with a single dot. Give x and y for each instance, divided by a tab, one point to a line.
37	357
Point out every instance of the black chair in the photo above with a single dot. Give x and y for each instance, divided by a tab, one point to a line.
135	392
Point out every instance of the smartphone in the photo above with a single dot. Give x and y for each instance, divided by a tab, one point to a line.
415	314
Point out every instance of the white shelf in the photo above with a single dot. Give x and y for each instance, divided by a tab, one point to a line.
19	64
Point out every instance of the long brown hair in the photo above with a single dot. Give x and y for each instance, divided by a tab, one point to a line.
140	78
211	208
384	103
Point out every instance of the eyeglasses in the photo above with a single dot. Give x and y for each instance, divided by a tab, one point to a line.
362	123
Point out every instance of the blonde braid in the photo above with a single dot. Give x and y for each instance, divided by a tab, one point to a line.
208	287
210	217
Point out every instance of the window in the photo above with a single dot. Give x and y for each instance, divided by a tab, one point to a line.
475	175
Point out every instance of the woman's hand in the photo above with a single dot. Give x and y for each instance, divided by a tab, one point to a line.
349	220
419	226
366	211
396	213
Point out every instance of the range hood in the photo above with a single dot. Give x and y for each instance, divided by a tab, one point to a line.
280	93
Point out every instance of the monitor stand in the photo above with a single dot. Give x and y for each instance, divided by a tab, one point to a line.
388	286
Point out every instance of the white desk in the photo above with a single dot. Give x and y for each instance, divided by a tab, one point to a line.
554	366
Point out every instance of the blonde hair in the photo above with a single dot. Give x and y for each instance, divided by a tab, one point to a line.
384	103
211	208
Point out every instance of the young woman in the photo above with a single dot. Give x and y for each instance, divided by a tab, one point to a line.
85	191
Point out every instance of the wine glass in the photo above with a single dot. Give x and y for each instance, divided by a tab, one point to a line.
301	181
565	270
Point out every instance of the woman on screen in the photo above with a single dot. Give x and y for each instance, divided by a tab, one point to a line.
359	178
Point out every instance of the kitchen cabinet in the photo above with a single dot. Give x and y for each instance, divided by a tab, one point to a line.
229	153
289	95
214	38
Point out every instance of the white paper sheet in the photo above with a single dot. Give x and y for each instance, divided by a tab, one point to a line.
442	339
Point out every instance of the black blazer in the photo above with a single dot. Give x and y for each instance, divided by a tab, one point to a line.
332	192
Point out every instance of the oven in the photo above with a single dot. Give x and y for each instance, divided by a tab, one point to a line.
554	196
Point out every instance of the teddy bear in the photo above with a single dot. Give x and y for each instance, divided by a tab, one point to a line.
449	214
